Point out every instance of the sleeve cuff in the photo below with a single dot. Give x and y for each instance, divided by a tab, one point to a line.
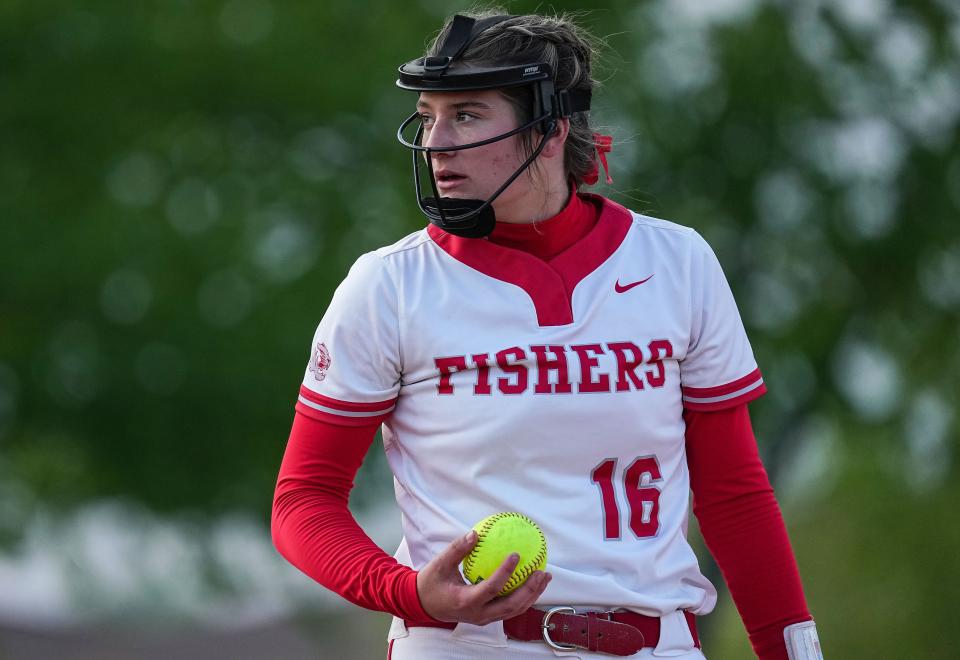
412	608
743	390
342	413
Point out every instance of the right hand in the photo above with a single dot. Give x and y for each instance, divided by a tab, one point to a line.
446	597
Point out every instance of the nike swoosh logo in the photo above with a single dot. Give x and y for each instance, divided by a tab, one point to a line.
622	288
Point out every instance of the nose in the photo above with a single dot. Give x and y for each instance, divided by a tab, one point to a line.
440	134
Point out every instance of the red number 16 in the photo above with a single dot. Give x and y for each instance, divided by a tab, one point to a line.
643	498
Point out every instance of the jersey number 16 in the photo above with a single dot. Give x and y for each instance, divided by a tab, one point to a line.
643	498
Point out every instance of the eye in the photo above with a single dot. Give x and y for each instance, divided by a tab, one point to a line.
464	116
426	120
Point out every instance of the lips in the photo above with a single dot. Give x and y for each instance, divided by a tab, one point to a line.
447	179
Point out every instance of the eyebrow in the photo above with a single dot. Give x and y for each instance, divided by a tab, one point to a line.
457	106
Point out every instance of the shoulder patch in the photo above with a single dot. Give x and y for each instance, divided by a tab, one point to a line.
320	362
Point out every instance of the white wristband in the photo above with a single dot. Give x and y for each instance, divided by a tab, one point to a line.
802	641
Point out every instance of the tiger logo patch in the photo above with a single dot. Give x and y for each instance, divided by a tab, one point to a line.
320	361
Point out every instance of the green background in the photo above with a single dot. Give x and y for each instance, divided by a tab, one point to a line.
183	184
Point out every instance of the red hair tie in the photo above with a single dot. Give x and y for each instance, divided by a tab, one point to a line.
603	144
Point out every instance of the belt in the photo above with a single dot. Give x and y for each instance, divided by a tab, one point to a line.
614	633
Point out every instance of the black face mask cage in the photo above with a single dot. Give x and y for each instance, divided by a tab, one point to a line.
465	217
473	218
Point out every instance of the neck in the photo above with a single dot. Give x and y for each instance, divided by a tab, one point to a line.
536	207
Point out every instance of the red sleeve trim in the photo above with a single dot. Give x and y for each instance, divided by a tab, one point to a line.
328	409
743	390
346	406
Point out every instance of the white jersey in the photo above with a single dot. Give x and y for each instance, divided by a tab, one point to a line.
506	383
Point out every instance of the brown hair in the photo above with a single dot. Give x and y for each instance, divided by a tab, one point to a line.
531	38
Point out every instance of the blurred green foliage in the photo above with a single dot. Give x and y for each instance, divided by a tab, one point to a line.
183	184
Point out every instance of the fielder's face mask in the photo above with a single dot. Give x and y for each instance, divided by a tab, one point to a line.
446	72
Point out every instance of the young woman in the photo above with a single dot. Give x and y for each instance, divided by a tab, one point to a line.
542	350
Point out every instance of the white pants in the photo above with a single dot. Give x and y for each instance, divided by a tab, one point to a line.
468	642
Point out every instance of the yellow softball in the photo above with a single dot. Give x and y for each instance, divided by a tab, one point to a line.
500	535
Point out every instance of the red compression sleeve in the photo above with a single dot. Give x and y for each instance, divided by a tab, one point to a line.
313	528
742	526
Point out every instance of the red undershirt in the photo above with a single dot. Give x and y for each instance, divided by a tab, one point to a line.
732	498
548	238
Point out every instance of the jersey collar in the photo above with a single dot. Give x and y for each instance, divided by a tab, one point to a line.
548	238
549	285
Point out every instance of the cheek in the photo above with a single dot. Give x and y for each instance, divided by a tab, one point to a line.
505	159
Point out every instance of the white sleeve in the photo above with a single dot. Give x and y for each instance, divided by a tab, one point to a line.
719	370
353	376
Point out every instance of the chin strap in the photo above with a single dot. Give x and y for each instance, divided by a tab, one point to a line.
480	221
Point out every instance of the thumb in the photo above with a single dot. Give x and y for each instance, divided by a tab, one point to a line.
459	548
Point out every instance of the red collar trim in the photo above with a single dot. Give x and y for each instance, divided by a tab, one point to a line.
550	284
548	238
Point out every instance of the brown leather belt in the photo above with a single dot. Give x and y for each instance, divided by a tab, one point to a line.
614	633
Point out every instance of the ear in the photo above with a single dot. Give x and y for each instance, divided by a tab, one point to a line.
554	146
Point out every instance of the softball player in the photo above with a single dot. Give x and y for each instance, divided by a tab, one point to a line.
543	350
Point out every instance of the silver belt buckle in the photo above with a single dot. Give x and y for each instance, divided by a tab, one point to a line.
547	627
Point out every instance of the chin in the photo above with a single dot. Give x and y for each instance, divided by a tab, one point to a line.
459	194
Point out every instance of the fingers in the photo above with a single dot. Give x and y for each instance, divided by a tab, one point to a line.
445	596
533	587
451	556
492	607
490	588
517	601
